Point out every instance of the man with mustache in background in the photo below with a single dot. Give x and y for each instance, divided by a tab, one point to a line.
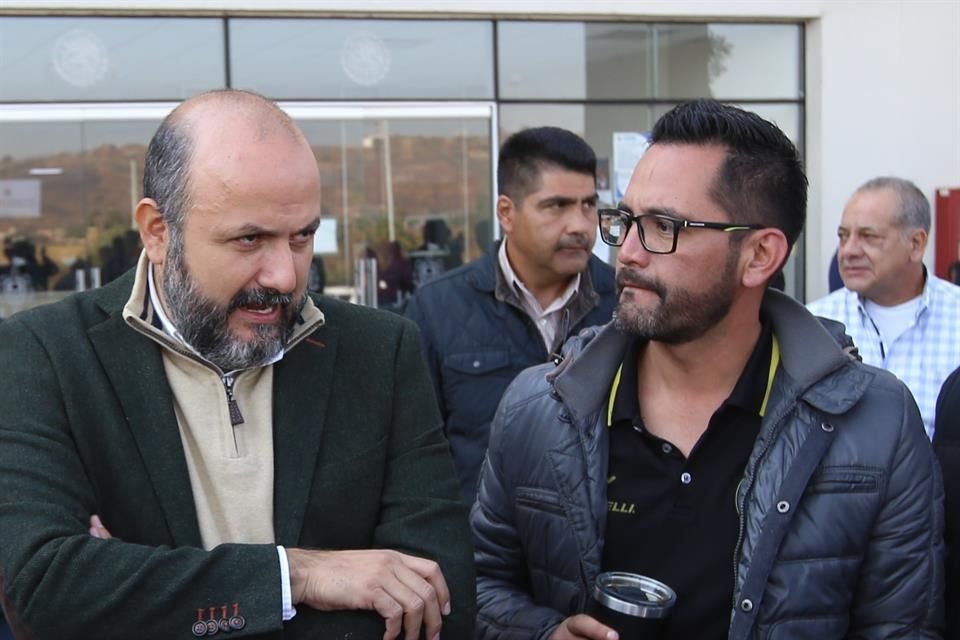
514	307
201	447
900	315
714	436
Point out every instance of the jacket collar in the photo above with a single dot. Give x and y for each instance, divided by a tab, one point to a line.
135	367
136	371
487	277
809	354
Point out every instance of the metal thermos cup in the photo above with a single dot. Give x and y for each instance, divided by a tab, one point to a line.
634	606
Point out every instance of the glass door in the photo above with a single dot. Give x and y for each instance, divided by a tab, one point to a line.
407	194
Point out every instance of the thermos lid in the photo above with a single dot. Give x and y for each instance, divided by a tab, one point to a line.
633	594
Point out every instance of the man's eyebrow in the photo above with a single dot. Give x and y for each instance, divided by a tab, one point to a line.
561	200
657	211
670	212
862	229
248	229
311	228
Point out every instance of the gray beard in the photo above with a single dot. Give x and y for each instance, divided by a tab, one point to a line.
205	325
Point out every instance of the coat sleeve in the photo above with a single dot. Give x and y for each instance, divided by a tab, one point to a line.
505	608
57	581
946	444
900	591
422	512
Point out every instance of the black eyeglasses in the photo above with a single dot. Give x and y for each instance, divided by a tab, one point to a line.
658	233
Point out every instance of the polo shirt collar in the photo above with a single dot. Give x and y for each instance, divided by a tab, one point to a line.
748	394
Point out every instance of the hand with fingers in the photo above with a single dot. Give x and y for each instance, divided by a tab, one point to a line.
583	627
96	528
409	592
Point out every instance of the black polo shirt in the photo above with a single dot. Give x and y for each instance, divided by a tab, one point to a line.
674	518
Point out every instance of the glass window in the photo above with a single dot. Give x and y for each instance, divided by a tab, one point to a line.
728	61
67	191
98	59
575	60
378	203
362	59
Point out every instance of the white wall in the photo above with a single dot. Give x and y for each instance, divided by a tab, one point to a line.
884	99
883	79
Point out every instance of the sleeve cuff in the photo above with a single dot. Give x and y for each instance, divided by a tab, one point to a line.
289	611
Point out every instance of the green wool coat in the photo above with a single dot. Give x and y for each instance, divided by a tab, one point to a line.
87	426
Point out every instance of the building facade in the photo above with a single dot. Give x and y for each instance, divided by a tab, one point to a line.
404	103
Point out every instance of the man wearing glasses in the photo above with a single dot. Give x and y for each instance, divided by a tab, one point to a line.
714	436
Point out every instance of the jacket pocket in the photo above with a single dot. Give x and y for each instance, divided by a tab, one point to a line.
845	480
477	362
543	500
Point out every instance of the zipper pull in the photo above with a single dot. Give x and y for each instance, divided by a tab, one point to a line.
236	417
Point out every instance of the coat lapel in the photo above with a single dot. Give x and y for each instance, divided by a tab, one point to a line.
302	385
135	368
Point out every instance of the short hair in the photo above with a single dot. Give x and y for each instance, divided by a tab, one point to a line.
761	180
166	171
526	153
914	210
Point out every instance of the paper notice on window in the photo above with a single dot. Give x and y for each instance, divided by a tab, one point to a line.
325	239
628	148
19	198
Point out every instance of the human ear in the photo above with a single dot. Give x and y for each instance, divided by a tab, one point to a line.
153	230
918	244
505	212
763	255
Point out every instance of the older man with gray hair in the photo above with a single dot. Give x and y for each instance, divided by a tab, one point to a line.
901	317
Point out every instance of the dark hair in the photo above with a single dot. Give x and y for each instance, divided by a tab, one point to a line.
526	153
761	180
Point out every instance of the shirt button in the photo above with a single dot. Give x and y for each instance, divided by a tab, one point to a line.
476	364
686	478
666	448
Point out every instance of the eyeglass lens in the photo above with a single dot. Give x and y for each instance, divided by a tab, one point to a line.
656	232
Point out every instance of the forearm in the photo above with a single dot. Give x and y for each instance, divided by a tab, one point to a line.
56	470
81	587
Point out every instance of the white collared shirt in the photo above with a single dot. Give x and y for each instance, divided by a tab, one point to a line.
922	355
546	320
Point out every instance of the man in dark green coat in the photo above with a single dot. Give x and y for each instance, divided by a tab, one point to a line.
202	448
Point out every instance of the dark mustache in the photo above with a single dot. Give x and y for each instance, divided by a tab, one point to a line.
260	298
574	242
630	278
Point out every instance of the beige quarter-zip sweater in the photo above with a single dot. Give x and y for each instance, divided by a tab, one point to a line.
229	456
